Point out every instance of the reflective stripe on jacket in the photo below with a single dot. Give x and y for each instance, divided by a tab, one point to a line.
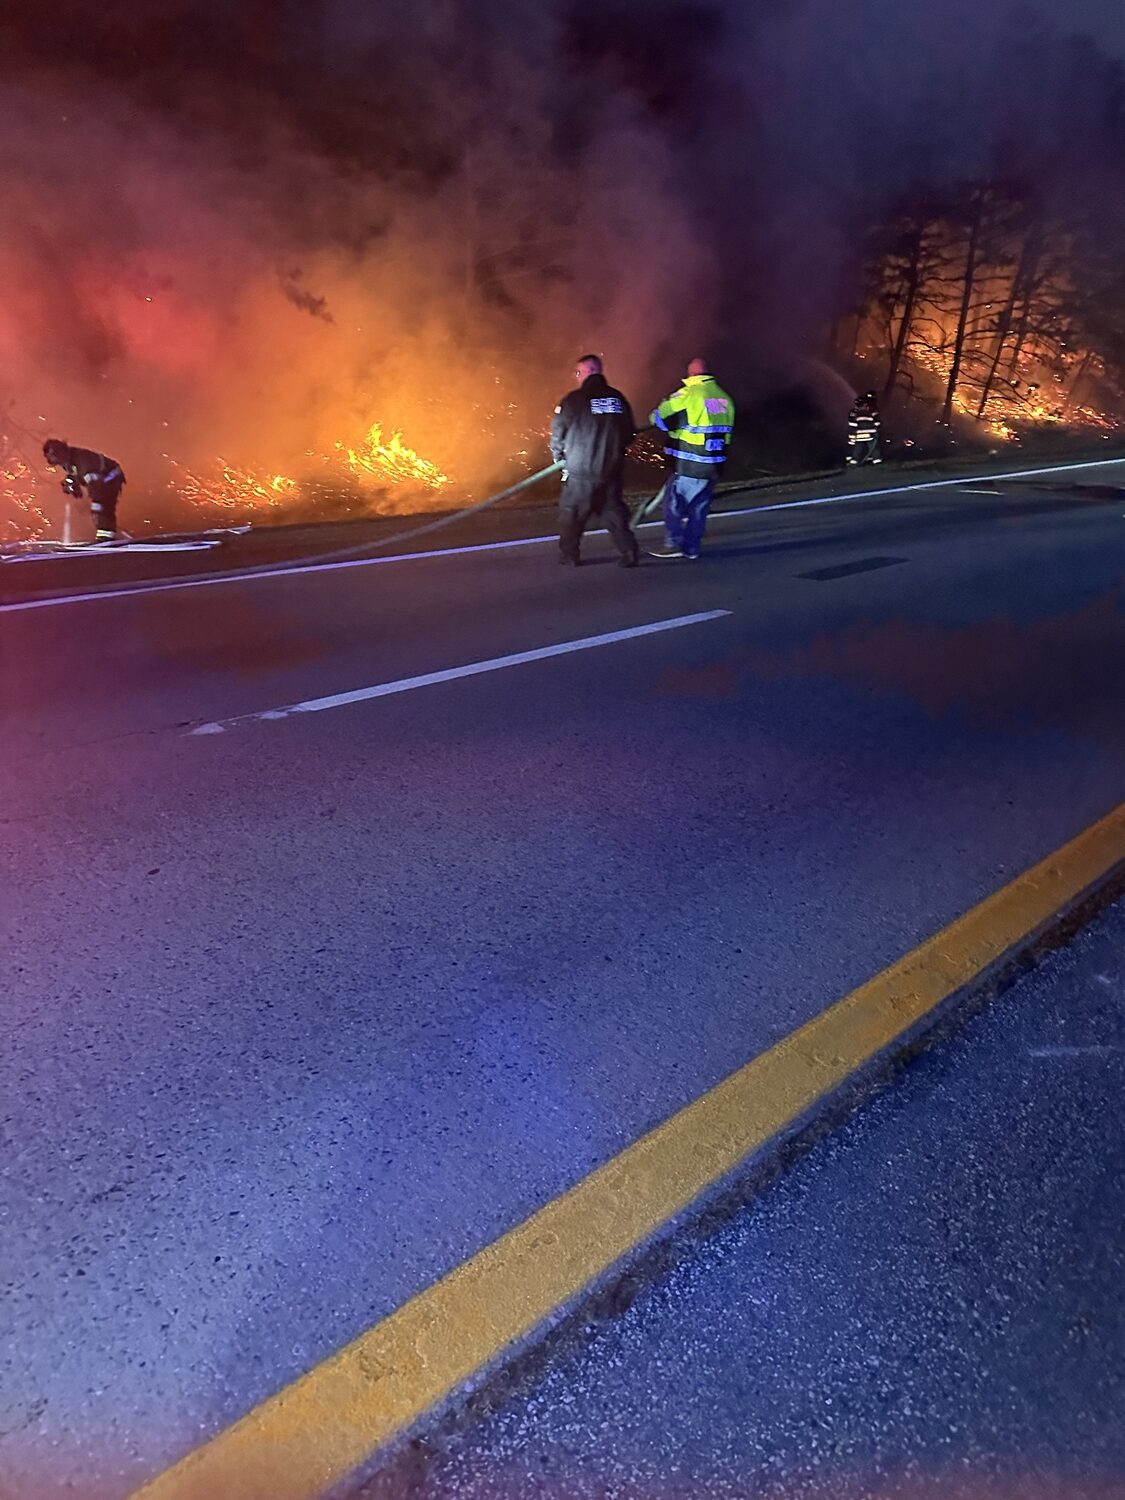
697	421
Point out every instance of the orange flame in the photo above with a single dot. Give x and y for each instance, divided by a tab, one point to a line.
231	488
17	493
373	464
391	461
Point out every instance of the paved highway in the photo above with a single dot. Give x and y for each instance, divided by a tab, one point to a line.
931	1306
304	1009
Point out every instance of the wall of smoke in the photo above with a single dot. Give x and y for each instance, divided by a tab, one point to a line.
251	229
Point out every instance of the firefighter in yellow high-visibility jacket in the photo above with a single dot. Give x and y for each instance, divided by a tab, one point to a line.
697	422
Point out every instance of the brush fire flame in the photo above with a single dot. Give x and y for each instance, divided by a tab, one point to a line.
21	517
373	466
391	462
1016	403
231	488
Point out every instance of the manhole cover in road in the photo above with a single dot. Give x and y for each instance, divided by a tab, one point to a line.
861	565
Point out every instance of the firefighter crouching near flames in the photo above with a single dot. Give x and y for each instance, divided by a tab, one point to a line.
697	421
591	429
864	424
102	477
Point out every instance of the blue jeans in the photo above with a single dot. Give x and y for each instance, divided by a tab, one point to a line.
686	503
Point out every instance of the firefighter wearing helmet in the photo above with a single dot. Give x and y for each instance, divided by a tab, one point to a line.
864	424
102	479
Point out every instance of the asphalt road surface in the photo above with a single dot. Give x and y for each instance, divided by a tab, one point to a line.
931	1306
303	1010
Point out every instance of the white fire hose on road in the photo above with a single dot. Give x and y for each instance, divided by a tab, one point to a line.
411	534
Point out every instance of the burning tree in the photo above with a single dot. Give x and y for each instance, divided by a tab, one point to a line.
992	291
980	303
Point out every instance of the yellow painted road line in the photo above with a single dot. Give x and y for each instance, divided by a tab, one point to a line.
320	1428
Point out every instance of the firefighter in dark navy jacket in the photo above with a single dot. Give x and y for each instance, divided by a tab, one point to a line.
101	477
591	430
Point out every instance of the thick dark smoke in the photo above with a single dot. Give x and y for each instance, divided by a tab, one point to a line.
249	228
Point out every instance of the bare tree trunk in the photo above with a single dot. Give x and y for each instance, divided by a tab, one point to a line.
1076	383
975	224
855	334
1028	256
1027	291
906	322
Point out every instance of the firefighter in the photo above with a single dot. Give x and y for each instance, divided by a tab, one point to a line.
864	423
592	428
102	477
697	421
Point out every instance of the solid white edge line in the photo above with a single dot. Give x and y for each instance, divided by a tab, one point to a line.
451	674
167	586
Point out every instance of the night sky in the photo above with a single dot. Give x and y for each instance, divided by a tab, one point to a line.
1102	19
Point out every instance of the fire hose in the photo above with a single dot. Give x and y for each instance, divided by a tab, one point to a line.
648	506
362	549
